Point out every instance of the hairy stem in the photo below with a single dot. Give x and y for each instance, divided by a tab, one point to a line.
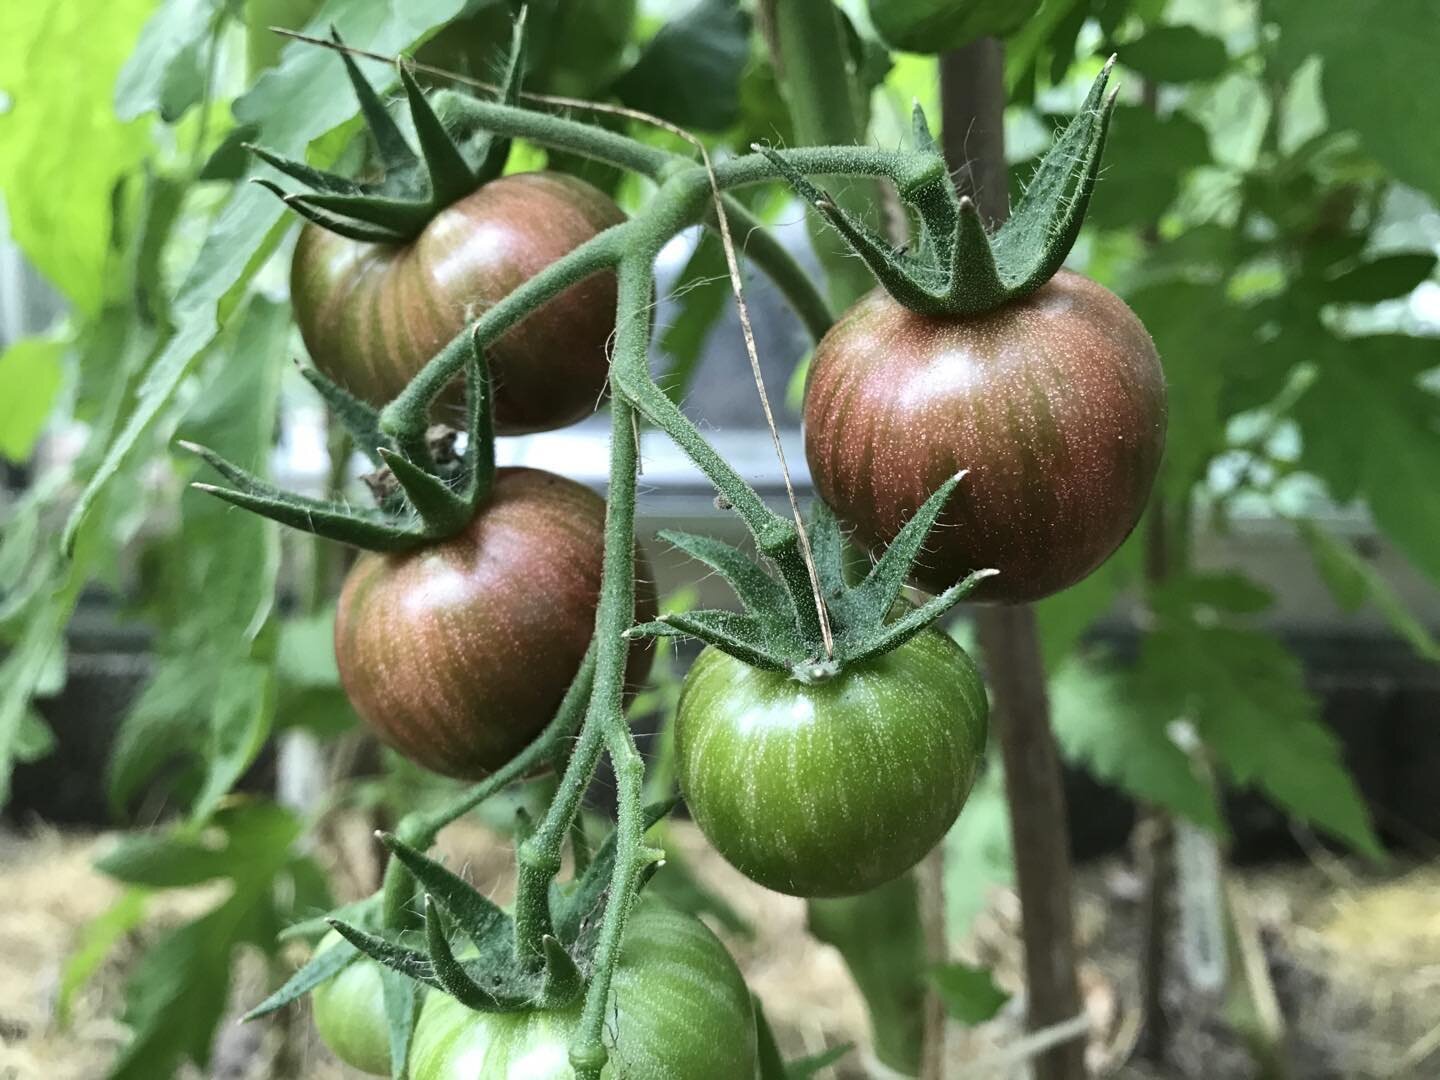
420	829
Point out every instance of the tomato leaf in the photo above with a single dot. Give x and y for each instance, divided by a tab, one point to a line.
1353	581
1099	724
180	988
1378	60
62	148
31	373
880	936
321	967
164	73
1369	426
936	26
689	72
1175	54
1246	697
291	105
969	993
1384	278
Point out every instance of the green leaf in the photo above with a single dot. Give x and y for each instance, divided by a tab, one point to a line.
1367	424
689	72
62	149
1101	725
179	990
165	74
1223	591
31	372
1198	334
936	26
1246	696
969	993
1152	156
1378	65
1175	54
97	938
1380	279
290	105
1354	581
1066	616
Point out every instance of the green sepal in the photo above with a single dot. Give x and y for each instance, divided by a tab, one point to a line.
371	532
561	982
436	503
407	961
870	601
365	234
320	968
764	598
894	634
415	186
740	636
865	619
958	269
360	419
827	547
440	507
395	152
481	919
451	974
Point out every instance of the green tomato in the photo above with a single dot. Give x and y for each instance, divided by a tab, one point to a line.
350	1013
679	1010
831	788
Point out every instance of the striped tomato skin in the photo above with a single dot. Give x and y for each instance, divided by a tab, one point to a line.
373	314
679	1010
459	653
1055	404
832	788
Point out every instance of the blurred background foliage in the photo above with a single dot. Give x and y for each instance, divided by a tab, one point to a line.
1268	207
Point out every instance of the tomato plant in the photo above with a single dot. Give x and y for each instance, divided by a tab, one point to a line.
1053	403
678	1010
987	423
834	787
371	314
459	652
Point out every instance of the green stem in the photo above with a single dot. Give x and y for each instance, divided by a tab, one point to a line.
540	856
561	133
420	829
408	415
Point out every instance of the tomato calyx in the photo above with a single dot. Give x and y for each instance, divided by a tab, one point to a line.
866	620
468	946
958	268
453	160
424	492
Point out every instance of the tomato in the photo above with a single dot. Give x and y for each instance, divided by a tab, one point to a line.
350	1013
1055	403
457	654
830	788
373	314
678	1010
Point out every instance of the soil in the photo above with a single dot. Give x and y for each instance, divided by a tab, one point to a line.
1352	954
